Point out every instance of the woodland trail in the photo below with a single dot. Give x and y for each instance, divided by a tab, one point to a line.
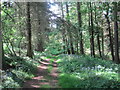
44	78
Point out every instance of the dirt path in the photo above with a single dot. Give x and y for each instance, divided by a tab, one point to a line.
44	78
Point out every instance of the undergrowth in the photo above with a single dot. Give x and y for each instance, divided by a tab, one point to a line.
87	72
16	70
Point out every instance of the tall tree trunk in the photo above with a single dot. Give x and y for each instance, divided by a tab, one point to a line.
64	45
116	33
29	36
80	31
67	40
77	46
39	36
68	48
102	44
69	32
1	48
110	37
102	41
41	25
63	30
98	36
89	29
92	32
98	42
1	43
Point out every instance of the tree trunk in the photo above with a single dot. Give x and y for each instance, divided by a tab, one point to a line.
89	29
98	42
29	36
1	43
40	36
41	25
80	31
98	32
77	46
102	43
63	30
116	33
92	33
1	48
110	37
68	48
69	32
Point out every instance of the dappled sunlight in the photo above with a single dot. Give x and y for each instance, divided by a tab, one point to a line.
54	74
60	44
38	78
43	67
44	63
46	75
35	86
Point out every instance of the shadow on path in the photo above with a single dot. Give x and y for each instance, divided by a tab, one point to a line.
43	78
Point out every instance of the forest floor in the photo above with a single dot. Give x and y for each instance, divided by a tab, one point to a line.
46	76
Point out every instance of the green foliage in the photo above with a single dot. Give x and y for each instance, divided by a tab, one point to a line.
55	44
10	83
88	72
53	50
24	68
11	25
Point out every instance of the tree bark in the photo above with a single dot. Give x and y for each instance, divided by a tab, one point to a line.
98	32
69	32
80	31
1	48
89	29
1	43
102	44
92	32
116	33
68	48
29	35
110	37
63	30
98	42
